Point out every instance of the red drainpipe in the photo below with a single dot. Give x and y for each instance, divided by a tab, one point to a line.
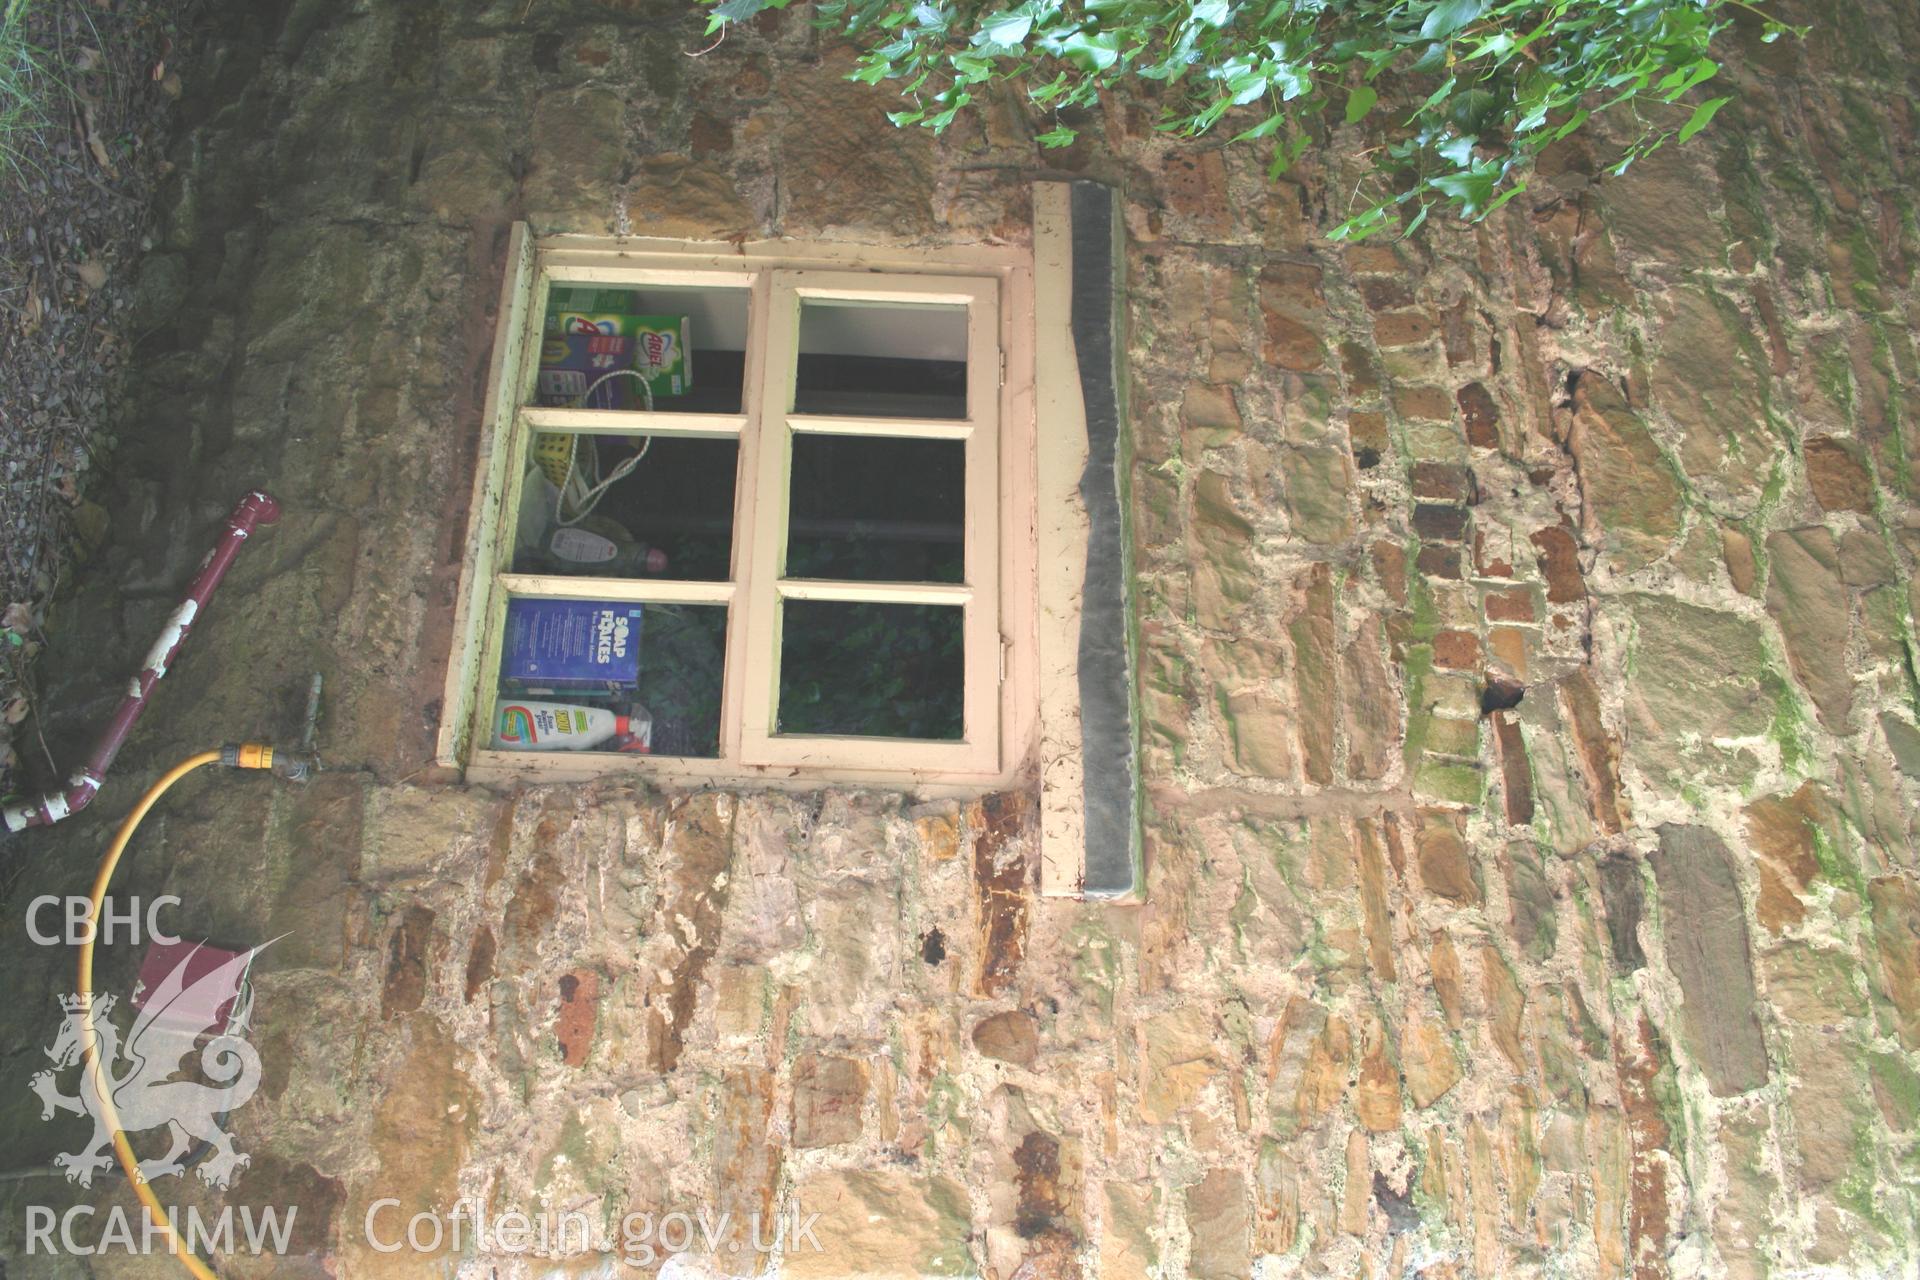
256	508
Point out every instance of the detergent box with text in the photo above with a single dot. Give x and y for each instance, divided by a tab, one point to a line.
571	645
661	345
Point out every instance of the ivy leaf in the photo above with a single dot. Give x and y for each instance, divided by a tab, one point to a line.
1284	155
1266	128
1449	16
1433	59
1092	51
1701	115
734	11
1472	188
1292	83
1049	91
1676	83
1473	110
1008	30
1213	13
1513	76
1505	196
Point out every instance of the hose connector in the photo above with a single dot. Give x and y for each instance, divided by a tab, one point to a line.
294	766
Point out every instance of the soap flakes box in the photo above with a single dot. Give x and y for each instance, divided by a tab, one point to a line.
571	644
660	346
571	366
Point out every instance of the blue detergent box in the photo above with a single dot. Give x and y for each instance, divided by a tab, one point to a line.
572	644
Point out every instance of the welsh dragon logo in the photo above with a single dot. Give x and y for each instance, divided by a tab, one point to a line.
137	1076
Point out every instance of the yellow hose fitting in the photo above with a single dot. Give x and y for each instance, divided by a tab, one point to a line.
295	766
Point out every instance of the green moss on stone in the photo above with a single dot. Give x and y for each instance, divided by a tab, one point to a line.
1834	863
1898	1087
1855	1191
1441	780
1417	666
1834	375
1096	962
1789	728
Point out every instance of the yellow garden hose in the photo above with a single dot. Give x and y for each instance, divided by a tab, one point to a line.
247	756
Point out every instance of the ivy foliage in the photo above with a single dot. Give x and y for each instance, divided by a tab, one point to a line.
1487	85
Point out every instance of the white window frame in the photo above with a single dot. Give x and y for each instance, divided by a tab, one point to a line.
996	596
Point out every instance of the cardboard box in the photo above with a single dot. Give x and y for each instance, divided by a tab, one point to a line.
577	645
572	363
588	309
662	353
661	344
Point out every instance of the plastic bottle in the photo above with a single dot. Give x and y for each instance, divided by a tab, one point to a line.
528	725
604	549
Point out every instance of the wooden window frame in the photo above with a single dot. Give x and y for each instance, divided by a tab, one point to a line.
1000	699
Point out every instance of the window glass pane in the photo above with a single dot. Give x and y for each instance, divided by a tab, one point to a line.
664	507
875	670
870	509
882	359
605	348
606	676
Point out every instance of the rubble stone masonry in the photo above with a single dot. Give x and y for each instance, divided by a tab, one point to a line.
1527	673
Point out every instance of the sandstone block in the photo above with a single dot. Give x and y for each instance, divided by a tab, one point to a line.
1632	495
1835	474
1700	677
1704	924
1807	598
1009	1036
888	1225
828	1094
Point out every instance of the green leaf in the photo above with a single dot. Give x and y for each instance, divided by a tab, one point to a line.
1212	13
1472	189
1049	91
1285	154
1437	97
1574	121
1505	196
734	11
1512	76
1702	114
1677	82
1449	16
1092	51
1266	128
1474	110
1360	225
1006	29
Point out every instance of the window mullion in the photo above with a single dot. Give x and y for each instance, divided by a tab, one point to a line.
623	590
982	619
776	350
858	592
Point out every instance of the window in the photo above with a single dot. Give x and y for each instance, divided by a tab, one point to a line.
751	513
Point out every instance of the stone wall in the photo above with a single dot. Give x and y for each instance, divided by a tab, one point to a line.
1528	671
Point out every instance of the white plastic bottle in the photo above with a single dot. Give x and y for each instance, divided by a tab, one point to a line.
604	549
525	725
